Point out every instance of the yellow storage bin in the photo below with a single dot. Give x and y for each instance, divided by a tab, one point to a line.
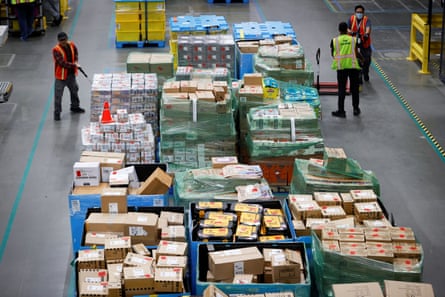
153	6
156	35
156	16
123	6
130	16
173	47
123	36
128	26
155	26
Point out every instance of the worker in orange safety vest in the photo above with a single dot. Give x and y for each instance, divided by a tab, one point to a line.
360	26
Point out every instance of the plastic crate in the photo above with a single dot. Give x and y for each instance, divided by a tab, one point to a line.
300	289
125	36
194	243
248	31
244	63
128	26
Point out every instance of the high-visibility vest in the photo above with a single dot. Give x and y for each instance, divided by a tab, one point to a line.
344	53
14	2
362	30
60	72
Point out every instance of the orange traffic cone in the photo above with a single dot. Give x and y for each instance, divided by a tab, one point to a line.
106	114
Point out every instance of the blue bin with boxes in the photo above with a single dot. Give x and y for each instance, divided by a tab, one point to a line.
250	221
253	31
253	268
93	263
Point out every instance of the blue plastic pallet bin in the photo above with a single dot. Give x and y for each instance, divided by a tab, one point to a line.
300	289
80	205
194	243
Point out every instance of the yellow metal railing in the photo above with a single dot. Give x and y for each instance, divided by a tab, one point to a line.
419	47
64	7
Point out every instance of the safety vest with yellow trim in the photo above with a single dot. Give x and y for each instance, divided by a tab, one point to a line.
61	72
14	2
344	53
365	43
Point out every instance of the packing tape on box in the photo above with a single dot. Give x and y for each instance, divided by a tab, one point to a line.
195	109
292	129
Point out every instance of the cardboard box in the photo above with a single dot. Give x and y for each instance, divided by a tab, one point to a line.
140	249
249	47
92	276
212	291
169	280
115	272
104	222
172	262
225	264
243	279
116	249
109	161
370	289
133	259
86	173
220	162
142	227
253	79
171	248
93	289
91	259
139	280
157	183
283	271
129	172
173	233
114	200
98	238
173	218
404	289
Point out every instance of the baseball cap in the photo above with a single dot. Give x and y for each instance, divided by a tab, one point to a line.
62	36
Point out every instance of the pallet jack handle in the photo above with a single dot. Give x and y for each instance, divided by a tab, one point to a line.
317	58
84	74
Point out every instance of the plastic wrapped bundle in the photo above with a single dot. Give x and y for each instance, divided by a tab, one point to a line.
304	182
208	183
334	268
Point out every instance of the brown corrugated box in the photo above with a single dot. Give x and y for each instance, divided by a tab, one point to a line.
168	280
404	289
114	200
212	291
139	280
370	289
109	161
157	183
225	264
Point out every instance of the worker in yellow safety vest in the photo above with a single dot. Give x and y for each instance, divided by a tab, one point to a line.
25	11
359	25
346	63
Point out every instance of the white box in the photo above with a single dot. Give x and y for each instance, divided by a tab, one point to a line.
86	173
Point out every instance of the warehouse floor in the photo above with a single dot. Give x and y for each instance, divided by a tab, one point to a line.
399	136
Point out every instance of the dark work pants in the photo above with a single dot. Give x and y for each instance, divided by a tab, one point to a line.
72	86
342	79
25	16
366	53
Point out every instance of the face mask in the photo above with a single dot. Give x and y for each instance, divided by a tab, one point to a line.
359	15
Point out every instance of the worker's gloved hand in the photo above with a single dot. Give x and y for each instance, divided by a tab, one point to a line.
78	65
366	37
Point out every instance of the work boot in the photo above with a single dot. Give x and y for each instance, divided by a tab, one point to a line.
77	110
339	114
57	116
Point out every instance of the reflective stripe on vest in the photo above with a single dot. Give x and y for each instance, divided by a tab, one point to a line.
361	30
344	56
61	72
14	2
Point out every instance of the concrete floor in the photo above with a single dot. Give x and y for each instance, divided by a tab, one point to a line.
399	136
